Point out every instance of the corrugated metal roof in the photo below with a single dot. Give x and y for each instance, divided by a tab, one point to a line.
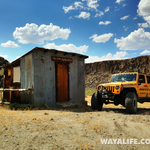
44	49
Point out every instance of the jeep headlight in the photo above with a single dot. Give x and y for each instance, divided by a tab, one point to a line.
99	87
117	87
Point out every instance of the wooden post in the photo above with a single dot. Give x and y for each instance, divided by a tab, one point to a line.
3	89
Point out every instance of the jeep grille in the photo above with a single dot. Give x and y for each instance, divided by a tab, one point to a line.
111	88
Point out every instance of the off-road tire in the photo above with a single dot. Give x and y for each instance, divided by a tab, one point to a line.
96	103
131	103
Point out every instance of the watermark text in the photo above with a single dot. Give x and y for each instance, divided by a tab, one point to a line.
125	141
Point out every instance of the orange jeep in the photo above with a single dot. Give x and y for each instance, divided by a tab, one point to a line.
124	88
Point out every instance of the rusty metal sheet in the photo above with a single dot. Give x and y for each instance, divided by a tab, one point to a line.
62	59
28	63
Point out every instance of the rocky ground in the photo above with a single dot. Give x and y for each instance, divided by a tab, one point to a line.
73	128
93	79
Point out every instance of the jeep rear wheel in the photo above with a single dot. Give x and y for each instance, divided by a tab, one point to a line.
131	102
96	103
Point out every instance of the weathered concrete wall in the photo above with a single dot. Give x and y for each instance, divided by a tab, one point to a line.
44	78
81	80
27	78
77	80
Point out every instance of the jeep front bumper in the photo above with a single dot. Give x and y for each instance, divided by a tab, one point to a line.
106	94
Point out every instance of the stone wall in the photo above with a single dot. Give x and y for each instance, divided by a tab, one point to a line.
100	72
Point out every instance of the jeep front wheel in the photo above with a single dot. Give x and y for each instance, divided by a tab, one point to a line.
131	102
96	103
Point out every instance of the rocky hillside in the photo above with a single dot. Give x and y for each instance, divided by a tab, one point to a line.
3	63
100	72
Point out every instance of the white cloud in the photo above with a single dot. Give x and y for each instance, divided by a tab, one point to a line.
117	9
144	10
4	56
70	17
88	5
84	15
68	48
143	25
78	5
124	5
125	28
32	33
107	9
10	44
134	18
92	4
67	9
147	18
99	14
109	56
145	52
101	38
125	17
139	39
119	1
104	23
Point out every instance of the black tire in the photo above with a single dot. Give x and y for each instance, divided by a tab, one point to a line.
131	103
96	103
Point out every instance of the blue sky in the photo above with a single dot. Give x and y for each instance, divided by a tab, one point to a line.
101	29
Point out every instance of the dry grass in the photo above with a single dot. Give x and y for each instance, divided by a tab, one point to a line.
66	129
89	91
99	127
65	112
85	146
83	121
9	118
60	128
146	113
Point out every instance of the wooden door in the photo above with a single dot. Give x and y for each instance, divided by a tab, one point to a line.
62	82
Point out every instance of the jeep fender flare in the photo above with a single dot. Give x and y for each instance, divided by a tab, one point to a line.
126	90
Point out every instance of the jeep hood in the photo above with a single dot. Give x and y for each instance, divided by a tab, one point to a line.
125	83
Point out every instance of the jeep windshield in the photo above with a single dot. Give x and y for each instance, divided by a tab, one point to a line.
123	77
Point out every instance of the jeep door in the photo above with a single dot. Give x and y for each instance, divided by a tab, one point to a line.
148	85
142	86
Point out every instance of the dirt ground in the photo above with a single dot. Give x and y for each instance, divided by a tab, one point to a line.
73	128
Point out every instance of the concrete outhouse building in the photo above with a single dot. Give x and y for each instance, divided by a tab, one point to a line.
46	76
